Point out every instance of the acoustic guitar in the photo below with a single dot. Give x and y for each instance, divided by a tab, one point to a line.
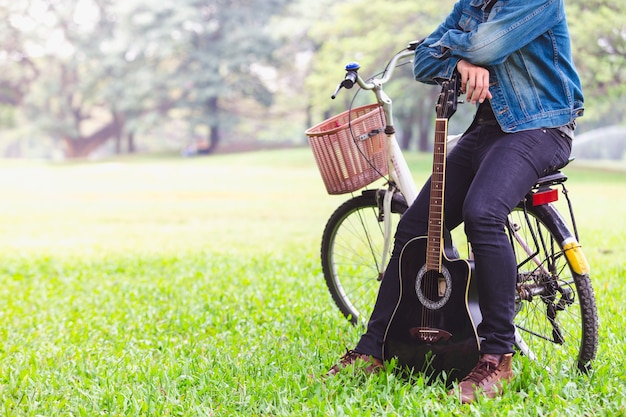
432	329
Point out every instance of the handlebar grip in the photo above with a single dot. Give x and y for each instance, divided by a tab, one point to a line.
352	69
350	79
414	44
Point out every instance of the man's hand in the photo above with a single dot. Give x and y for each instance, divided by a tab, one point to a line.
474	81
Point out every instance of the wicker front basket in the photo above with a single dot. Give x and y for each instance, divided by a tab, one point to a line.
350	148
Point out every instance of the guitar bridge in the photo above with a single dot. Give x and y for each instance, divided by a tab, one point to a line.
429	335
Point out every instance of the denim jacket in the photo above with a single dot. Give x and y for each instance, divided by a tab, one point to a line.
525	45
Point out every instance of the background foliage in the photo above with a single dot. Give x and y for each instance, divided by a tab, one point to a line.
77	75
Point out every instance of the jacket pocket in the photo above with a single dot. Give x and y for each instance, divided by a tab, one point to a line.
468	23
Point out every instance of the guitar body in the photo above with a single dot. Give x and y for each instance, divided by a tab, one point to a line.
433	329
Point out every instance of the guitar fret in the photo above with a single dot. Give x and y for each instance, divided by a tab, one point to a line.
437	183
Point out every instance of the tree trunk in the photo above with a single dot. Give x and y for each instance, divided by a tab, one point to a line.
213	137
132	148
427	116
118	145
408	125
81	147
407	135
424	140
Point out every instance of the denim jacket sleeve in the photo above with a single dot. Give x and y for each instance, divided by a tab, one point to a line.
468	34
510	26
433	62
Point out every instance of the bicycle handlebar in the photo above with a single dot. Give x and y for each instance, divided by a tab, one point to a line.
352	75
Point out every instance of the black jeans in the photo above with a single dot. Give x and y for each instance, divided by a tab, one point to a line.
487	175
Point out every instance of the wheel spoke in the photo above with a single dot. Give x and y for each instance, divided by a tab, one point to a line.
352	255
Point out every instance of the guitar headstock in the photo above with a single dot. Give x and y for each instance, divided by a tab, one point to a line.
448	98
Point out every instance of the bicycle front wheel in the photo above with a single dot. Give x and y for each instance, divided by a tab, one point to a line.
352	249
556	315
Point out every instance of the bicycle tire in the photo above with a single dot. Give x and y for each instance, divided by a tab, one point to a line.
351	252
559	322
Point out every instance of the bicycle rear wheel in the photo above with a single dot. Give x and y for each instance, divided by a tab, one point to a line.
352	247
556	314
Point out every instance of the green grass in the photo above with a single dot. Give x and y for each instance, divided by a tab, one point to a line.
192	287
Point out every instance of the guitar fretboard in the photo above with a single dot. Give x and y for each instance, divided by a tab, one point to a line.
437	185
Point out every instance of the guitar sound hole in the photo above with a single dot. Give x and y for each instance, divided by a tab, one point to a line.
433	289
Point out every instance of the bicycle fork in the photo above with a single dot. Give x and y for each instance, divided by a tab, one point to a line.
384	212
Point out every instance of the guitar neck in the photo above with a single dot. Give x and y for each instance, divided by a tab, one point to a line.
437	185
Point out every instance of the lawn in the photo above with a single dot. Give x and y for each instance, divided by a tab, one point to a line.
192	287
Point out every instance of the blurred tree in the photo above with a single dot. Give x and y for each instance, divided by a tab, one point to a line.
92	70
65	45
598	30
217	55
17	68
295	52
370	32
85	72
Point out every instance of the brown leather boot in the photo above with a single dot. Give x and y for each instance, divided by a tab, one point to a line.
486	378
370	364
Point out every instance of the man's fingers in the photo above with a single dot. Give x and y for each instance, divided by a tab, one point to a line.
474	81
464	78
474	88
477	88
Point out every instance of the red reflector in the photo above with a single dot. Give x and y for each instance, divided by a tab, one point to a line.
545	197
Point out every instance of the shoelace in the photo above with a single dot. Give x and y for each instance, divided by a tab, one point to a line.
349	357
480	372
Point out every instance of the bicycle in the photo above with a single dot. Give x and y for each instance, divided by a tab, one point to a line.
555	303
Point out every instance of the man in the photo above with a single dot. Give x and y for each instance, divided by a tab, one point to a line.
514	60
